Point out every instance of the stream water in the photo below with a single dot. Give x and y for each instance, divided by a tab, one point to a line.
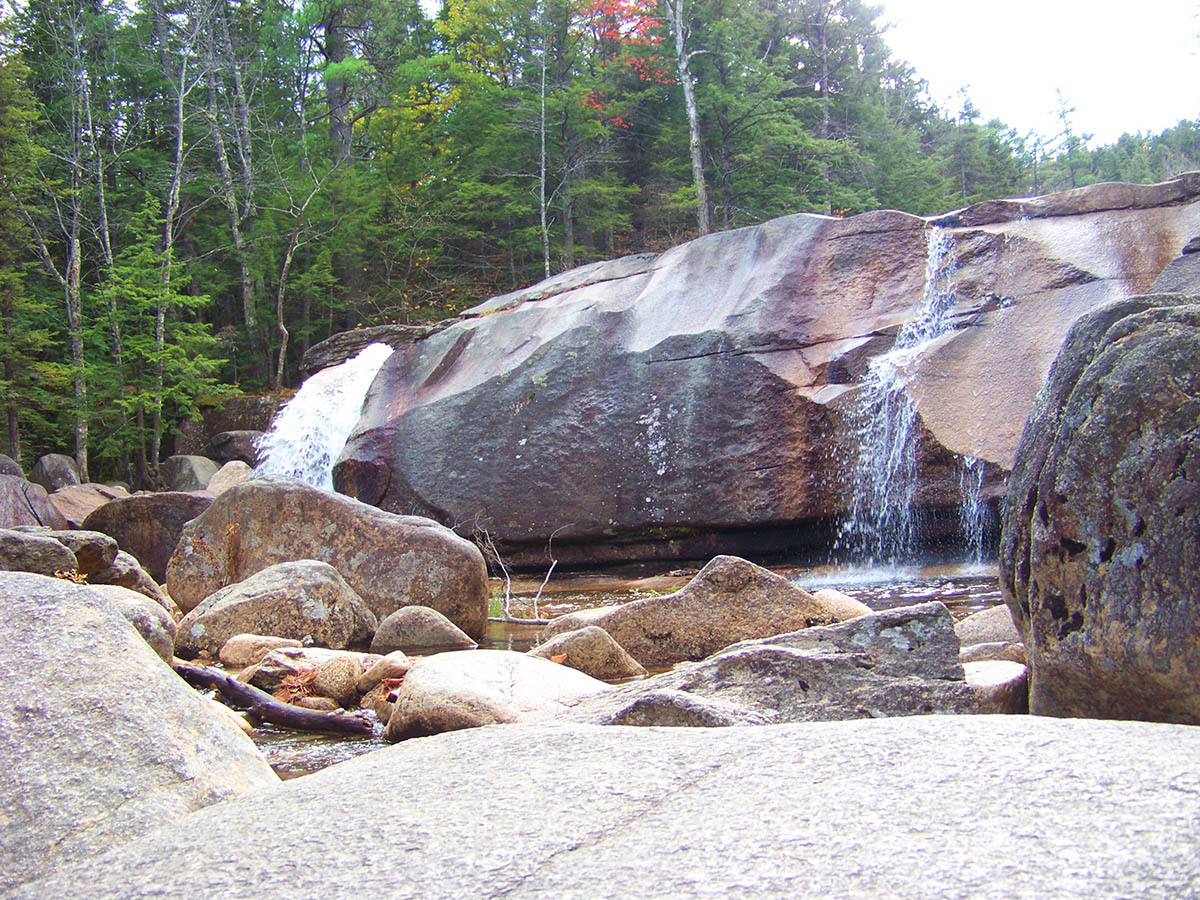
964	589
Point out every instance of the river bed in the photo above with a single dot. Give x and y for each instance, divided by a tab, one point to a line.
965	589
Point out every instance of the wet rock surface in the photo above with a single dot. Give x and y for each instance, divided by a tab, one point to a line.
99	740
929	807
1098	556
714	385
391	561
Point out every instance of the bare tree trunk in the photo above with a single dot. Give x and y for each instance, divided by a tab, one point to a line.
679	30
542	156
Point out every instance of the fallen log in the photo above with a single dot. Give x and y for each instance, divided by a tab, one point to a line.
263	706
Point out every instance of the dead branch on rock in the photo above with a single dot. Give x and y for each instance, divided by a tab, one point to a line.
263	706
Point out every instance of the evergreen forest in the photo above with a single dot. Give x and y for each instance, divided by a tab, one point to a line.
195	191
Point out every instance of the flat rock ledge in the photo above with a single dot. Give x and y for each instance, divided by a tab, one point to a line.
922	807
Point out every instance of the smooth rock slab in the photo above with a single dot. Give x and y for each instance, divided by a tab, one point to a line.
99	740
930	808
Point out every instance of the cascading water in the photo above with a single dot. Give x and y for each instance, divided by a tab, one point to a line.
309	432
881	527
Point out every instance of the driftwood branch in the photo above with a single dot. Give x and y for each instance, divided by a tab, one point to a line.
265	707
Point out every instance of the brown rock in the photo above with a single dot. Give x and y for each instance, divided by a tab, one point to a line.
240	445
730	600
93	550
232	473
244	650
148	525
77	501
592	651
391	561
286	662
417	628
1098	556
302	599
337	679
25	503
997	650
988	626
319	703
394	665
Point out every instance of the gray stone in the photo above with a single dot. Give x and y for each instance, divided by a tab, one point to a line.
592	651
899	662
925	808
988	626
187	472
125	571
394	665
470	688
729	600
417	628
1097	556
1181	276
99	740
1001	686
240	445
25	503
152	622
997	650
54	471
9	466
390	560
93	550
23	551
302	599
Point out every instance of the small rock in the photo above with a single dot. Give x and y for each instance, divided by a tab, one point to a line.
1001	686
999	650
244	650
418	628
318	703
337	679
469	688
989	626
394	665
592	651
290	661
9	466
1192	246
376	700
679	709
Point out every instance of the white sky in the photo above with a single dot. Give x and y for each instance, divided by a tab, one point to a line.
1123	66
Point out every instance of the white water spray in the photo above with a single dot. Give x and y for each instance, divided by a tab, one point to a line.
309	432
881	527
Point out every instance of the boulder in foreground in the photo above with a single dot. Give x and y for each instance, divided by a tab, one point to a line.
729	600
390	560
922	808
99	740
1098	553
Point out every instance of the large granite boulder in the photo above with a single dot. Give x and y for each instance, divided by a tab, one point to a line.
1098	556
592	651
240	445
232	473
25	503
187	472
152	622
148	525
418	628
390	560
302	599
729	600
54	471
99	740
471	688
921	808
9	466
899	662
127	572
703	401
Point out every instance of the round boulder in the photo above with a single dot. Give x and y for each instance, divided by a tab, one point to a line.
54	471
418	628
23	551
302	599
592	651
1098	555
232	473
9	466
244	650
187	473
149	525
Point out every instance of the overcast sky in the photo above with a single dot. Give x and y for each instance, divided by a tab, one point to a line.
1124	66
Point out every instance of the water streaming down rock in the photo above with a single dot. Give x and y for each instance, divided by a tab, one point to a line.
309	432
882	526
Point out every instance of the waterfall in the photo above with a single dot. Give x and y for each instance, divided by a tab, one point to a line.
880	528
308	433
973	512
